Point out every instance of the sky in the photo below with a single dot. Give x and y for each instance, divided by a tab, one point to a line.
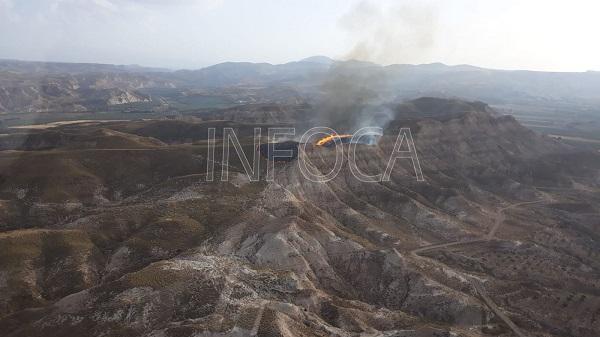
509	34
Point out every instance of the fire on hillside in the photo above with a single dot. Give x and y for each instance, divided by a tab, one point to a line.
330	140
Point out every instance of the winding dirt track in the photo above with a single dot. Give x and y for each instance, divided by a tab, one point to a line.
500	216
499	219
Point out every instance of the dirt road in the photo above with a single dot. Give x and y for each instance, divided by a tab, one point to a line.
499	219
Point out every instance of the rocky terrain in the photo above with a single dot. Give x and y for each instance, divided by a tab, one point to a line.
45	86
112	229
43	93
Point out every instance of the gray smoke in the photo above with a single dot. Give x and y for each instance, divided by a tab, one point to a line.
390	34
355	93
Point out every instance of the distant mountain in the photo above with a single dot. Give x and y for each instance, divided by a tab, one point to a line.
434	67
246	73
318	59
39	67
409	81
311	76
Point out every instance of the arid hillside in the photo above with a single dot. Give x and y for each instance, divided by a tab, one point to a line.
112	229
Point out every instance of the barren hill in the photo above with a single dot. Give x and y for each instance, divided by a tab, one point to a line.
129	239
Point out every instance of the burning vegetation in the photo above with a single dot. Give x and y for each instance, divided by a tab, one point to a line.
288	150
330	140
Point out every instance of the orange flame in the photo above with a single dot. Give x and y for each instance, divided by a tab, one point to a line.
331	138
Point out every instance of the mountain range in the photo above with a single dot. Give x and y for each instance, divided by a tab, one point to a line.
44	87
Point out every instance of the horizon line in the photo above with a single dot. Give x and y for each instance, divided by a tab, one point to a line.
333	60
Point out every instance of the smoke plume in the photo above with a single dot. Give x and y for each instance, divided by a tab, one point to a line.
356	94
390	34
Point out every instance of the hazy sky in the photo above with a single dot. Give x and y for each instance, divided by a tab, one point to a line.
508	34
